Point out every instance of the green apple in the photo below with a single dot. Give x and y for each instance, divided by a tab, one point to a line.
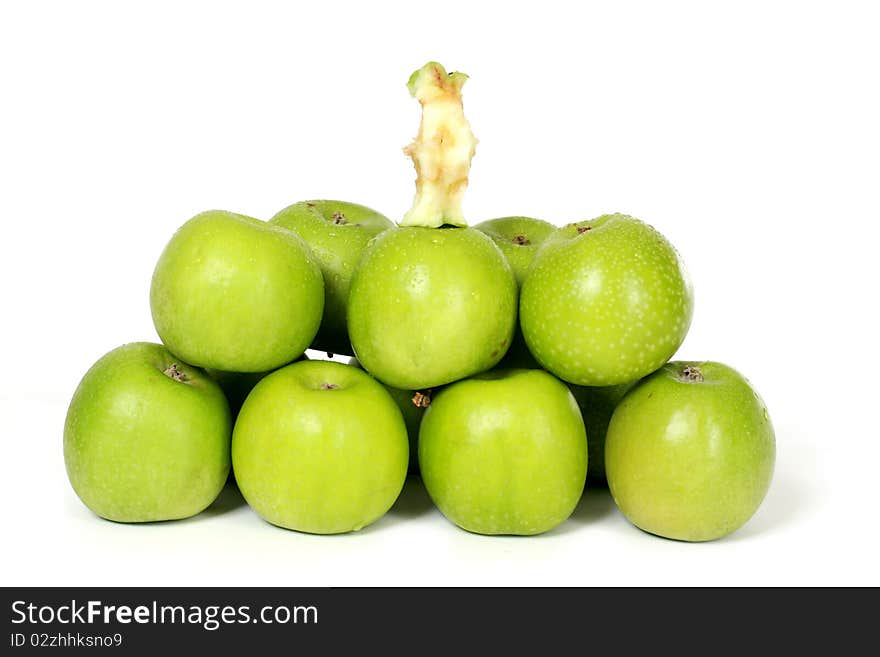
433	301
147	436
519	239
234	293
337	233
430	306
504	452
605	302
320	447
597	406
690	452
412	404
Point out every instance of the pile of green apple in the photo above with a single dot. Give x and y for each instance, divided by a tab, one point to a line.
508	364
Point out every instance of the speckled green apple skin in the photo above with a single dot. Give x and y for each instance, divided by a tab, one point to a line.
690	460
429	306
234	293
606	305
519	239
412	417
140	446
504	452
337	232
597	406
316	458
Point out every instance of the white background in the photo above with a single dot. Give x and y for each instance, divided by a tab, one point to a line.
747	134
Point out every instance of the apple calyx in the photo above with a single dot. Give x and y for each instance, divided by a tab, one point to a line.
329	386
442	151
521	240
175	373
691	374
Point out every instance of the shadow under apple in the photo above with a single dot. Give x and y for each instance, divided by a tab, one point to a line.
596	503
229	499
413	500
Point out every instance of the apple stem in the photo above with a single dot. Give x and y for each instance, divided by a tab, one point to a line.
443	149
